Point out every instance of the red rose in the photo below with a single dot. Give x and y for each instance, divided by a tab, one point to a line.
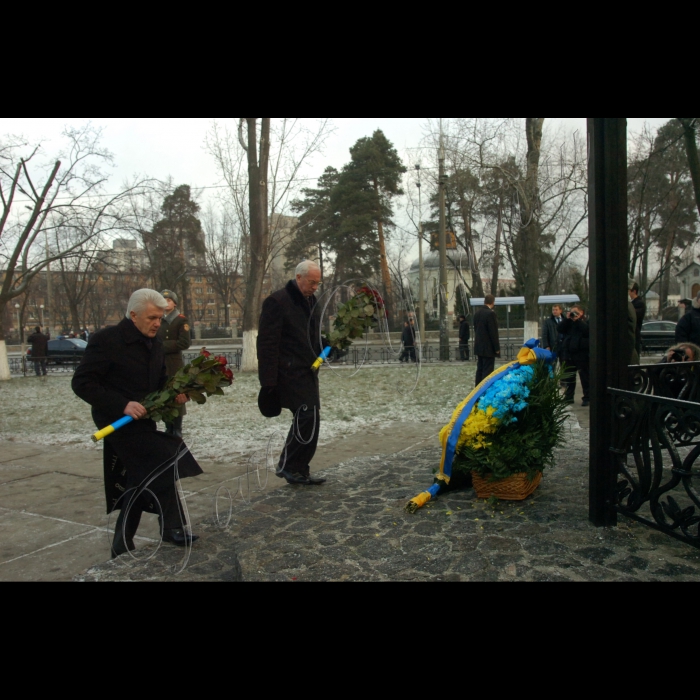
222	361
228	374
204	353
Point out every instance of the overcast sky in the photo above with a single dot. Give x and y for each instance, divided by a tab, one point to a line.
162	147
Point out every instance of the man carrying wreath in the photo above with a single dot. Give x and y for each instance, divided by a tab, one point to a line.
288	346
122	365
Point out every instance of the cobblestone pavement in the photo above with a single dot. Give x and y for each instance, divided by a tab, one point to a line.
355	529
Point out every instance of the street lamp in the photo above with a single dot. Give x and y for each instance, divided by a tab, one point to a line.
41	308
19	324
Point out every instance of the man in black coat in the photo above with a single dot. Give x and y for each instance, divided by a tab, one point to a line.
40	350
408	338
464	338
688	328
121	366
640	309
288	345
576	332
487	345
551	337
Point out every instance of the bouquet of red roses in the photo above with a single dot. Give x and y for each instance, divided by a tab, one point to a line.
206	376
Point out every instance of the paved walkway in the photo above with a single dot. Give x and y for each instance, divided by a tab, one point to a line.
352	529
355	529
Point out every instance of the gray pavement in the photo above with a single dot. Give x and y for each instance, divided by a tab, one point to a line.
352	529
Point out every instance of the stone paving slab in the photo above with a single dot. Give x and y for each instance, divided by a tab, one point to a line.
355	529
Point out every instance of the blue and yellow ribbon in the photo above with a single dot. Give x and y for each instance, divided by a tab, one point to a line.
106	432
529	355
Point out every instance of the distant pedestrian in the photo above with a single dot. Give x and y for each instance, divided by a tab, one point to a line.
40	351
465	335
688	328
408	338
576	332
641	310
487	345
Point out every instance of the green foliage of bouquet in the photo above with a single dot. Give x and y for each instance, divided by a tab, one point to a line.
525	445
355	318
204	377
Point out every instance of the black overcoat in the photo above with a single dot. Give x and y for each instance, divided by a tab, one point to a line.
486	340
465	332
408	337
577	341
122	365
288	345
40	346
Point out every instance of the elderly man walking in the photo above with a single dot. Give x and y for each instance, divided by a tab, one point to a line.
288	345
121	366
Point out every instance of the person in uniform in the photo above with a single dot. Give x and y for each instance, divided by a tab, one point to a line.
121	366
174	333
288	345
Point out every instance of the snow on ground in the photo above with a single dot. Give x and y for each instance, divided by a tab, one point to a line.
48	413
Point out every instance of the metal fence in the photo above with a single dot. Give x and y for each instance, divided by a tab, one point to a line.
430	354
656	449
27	368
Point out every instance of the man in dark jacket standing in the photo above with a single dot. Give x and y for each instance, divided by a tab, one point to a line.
487	345
40	350
640	309
576	332
551	336
288	345
464	338
174	333
121	366
688	328
408	338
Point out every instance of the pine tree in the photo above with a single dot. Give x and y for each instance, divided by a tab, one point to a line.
175	244
363	196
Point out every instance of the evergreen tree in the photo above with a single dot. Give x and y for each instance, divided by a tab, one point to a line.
176	244
363	196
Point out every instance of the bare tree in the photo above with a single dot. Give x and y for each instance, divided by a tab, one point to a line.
273	152
41	199
224	254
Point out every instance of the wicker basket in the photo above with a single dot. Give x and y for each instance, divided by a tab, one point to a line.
514	488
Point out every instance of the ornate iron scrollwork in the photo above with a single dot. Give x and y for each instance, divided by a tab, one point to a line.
656	449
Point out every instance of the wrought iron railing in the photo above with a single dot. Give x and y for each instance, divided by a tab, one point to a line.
657	449
25	366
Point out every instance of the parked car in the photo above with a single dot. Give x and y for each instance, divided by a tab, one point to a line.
64	350
658	335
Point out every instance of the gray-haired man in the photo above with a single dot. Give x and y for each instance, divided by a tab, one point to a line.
121	366
288	345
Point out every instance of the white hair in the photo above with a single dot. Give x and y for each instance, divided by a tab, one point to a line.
305	267
142	298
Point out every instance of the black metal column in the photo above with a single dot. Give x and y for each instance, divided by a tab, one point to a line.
610	341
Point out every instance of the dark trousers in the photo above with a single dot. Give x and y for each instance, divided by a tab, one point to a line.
582	367
40	367
464	353
174	428
302	442
485	367
172	517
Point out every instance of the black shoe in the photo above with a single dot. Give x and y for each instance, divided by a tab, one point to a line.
315	481
120	545
586	403
293	477
570	402
179	537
